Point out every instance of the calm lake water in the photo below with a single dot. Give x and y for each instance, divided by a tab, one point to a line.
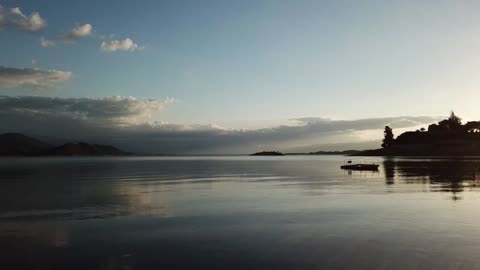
297	212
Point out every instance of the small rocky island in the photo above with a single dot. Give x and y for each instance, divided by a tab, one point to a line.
448	137
268	153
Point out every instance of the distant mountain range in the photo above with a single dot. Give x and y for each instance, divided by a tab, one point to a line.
16	144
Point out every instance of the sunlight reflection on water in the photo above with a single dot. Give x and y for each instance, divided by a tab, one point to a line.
238	212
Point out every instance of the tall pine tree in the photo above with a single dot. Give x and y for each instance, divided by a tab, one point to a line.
388	137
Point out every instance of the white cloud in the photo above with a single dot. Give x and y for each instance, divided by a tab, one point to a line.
122	45
77	32
46	43
13	18
33	78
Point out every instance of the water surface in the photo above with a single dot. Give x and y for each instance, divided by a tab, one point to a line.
296	212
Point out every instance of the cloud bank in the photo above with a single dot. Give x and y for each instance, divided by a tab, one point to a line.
115	110
120	45
77	32
129	123
33	78
327	124
14	19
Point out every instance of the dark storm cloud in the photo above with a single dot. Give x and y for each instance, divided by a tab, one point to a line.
33	78
121	110
126	123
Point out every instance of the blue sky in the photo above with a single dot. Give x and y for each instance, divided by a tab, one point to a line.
258	64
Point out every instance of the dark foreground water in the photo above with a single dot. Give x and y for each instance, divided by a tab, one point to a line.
238	213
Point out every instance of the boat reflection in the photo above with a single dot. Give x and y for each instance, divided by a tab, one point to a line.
359	166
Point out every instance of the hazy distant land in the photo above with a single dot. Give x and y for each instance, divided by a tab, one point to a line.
335	153
278	153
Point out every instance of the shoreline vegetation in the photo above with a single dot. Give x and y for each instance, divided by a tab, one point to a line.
448	137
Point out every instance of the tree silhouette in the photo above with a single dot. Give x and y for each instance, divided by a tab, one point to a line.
388	137
454	120
472	126
453	124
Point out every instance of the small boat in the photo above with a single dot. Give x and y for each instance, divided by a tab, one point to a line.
360	166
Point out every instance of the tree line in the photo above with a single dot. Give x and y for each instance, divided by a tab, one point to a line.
447	129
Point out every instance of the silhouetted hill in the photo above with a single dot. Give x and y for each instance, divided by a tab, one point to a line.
16	144
268	153
85	149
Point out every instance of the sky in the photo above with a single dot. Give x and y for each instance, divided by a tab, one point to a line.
201	77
